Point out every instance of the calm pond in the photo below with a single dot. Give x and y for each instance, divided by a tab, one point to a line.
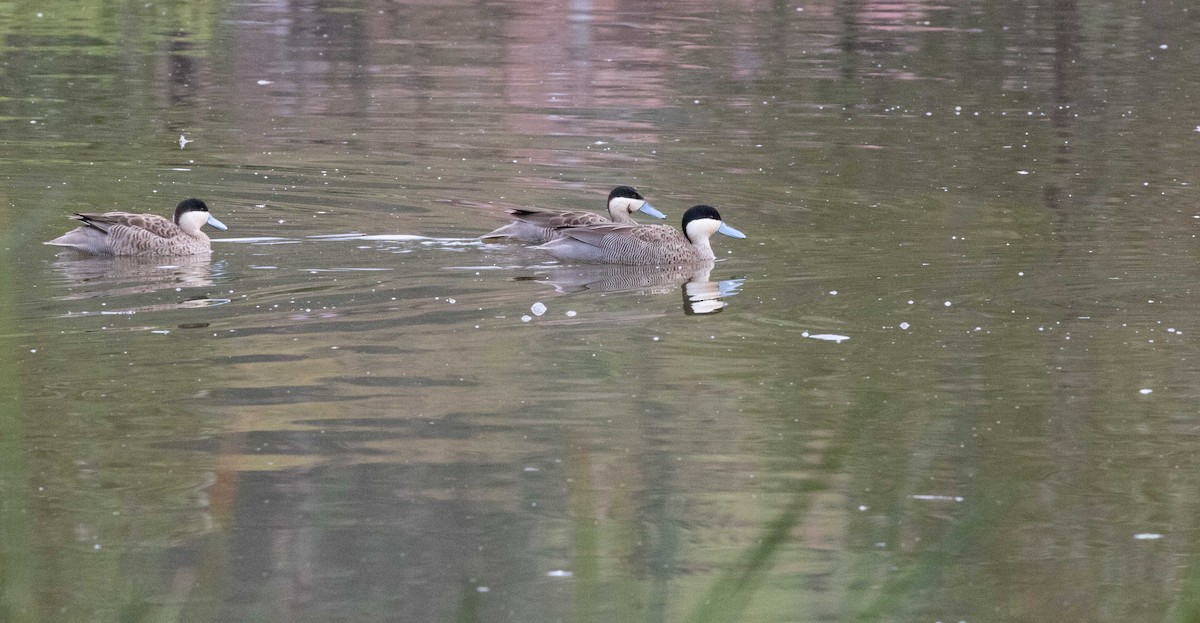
951	374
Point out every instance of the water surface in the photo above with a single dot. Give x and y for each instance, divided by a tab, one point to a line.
949	375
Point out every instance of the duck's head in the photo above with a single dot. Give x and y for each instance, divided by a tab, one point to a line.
192	214
702	221
627	200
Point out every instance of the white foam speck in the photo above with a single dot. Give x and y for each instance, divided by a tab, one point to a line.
570	313
538	309
559	573
938	498
1145	391
526	318
828	337
263	83
1147	536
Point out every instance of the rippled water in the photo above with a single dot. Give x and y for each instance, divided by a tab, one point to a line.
948	376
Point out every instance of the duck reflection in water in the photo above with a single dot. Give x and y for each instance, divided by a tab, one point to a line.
701	295
106	276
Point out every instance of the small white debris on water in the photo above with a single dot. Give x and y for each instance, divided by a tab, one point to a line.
904	325
526	318
570	313
833	293
530	468
1163	46
1147	536
183	141
938	498
1022	172
161	331
450	300
910	301
947	303
1145	391
33	350
263	83
482	589
538	309
828	337
863	507
655	338
559	573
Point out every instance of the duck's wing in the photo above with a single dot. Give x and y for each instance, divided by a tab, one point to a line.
611	243
554	219
151	224
597	233
533	225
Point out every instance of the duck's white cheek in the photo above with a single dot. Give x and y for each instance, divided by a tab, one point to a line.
625	204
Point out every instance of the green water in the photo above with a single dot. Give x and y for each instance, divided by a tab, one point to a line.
949	376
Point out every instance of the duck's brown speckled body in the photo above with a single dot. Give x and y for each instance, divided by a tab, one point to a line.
538	226
146	235
642	245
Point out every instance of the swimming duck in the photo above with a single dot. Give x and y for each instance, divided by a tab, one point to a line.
125	233
642	245
533	225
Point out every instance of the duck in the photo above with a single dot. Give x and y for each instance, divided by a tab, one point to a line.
539	226
146	235
642	245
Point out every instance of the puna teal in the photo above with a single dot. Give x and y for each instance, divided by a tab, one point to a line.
642	245
533	225
146	235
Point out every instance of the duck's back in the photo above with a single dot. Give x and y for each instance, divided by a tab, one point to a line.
639	245
540	226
